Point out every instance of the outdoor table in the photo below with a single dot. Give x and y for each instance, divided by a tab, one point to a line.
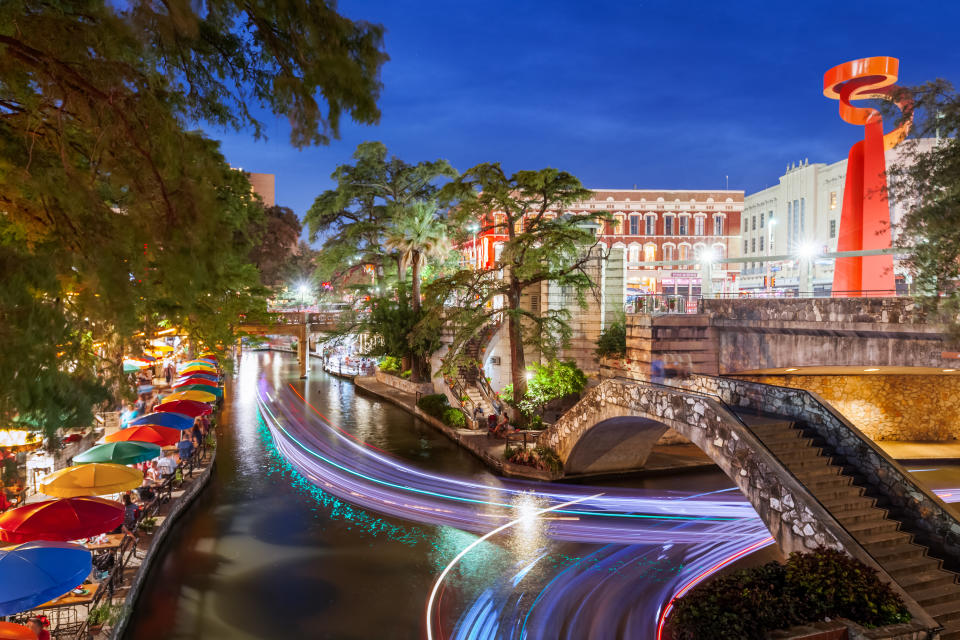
523	435
70	600
114	540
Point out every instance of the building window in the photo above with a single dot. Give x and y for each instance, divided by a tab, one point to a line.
833	201
761	244
833	228
634	225
718	225
684	252
650	253
761	220
698	252
753	223
668	252
651	226
753	245
684	223
698	226
745	247
633	255
668	226
796	222
719	252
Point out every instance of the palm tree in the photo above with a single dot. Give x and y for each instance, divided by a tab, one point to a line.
416	235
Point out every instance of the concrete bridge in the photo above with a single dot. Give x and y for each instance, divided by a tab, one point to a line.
298	324
813	478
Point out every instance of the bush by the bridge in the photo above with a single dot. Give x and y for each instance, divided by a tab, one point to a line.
390	364
810	587
454	418
436	405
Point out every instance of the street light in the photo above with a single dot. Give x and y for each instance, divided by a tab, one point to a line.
771	223
474	228
707	257
303	289
807	251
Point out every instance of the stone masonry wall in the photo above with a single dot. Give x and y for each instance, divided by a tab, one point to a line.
897	311
793	516
887	407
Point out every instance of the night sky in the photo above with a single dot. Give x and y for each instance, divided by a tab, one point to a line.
658	94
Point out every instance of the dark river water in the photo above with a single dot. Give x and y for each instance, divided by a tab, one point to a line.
262	553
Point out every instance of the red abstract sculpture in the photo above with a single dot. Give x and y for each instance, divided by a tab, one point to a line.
865	217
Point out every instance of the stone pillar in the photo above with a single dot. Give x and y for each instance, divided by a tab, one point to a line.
302	354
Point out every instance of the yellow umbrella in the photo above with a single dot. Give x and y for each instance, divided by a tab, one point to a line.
192	394
94	479
206	366
165	348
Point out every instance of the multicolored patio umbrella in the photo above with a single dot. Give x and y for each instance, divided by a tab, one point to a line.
190	408
163	436
119	453
130	365
64	519
164	419
201	375
192	394
202	388
13	631
199	363
93	479
36	572
182	382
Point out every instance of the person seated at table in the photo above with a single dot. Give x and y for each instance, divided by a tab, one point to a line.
130	515
146	492
37	625
504	428
196	435
166	466
184	447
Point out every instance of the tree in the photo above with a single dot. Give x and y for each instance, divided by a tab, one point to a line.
542	242
417	234
276	244
137	221
355	217
926	182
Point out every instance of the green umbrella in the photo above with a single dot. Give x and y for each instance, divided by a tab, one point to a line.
217	391
123	452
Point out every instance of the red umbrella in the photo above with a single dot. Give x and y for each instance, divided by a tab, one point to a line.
185	381
163	436
190	408
60	520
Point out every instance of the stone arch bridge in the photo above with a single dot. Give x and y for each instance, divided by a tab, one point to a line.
811	476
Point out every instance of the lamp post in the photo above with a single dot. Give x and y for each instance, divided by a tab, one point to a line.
302	289
807	252
474	228
707	258
770	224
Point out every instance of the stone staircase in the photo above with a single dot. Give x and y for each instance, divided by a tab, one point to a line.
922	577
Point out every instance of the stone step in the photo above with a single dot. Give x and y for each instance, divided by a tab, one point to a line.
876	524
901	568
924	579
935	594
800	454
886	555
873	540
945	611
847	497
849	517
822	482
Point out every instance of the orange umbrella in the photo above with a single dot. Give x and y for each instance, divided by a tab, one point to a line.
11	631
163	436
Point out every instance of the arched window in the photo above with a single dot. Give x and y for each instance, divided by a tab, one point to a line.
650	225
668	252
684	226
684	251
698	225
633	253
698	250
719	252
618	225
718	224
634	225
649	253
669	225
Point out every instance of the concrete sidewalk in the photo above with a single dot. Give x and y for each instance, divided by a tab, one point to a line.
916	451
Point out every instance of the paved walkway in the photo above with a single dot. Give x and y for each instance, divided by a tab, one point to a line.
920	450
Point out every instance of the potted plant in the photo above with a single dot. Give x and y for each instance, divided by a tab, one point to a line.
104	614
147	525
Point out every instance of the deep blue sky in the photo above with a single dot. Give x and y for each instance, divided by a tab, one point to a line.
661	94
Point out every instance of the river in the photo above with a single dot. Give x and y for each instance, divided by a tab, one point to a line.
264	553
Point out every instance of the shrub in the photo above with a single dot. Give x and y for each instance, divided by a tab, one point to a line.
434	404
454	418
390	364
406	374
543	458
612	341
808	588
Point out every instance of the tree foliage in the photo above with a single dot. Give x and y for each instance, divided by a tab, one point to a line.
542	242
356	217
612	341
132	220
926	182
276	244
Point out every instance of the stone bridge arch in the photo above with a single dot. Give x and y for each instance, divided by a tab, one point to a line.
630	417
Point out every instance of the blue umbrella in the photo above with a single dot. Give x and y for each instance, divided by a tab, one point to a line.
165	419
37	572
145	388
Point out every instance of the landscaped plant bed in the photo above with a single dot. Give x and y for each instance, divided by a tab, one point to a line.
834	630
752	604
